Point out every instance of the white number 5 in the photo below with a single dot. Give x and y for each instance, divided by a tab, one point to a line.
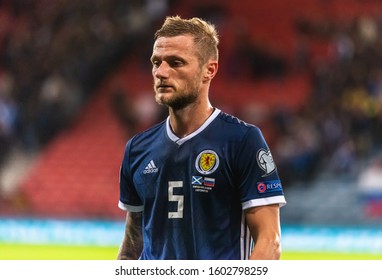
177	198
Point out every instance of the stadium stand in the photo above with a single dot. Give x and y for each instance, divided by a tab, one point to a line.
295	49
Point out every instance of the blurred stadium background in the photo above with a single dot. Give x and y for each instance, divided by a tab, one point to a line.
75	84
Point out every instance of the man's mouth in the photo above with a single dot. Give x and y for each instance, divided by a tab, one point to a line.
163	87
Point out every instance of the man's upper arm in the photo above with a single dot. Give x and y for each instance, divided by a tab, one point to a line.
264	225
132	243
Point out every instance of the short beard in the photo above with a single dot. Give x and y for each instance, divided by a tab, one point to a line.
179	102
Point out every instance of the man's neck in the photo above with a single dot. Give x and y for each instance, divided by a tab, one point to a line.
185	121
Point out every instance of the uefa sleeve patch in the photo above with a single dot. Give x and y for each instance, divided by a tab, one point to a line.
265	162
269	186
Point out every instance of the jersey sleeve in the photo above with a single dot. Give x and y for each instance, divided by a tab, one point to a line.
129	199
259	182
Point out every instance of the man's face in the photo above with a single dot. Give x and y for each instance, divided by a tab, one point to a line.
176	71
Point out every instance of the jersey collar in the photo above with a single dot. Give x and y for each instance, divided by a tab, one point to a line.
180	141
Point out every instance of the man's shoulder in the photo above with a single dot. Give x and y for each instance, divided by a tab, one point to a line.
234	122
150	134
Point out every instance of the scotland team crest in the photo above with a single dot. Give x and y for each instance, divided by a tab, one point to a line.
207	162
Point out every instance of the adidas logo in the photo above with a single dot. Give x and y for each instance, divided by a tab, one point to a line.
150	168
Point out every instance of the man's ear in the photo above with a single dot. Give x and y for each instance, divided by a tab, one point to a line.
211	70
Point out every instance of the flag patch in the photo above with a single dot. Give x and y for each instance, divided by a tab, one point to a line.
209	182
197	180
203	184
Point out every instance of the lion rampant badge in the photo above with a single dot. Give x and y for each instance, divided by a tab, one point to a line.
207	162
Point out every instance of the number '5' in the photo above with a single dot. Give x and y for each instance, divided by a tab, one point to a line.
177	198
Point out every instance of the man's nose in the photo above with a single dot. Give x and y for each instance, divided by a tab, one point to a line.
162	70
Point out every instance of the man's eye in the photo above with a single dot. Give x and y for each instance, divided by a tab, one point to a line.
156	63
176	63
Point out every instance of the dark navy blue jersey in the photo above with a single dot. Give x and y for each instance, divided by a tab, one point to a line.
193	190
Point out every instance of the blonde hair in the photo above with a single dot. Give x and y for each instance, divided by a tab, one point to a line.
205	35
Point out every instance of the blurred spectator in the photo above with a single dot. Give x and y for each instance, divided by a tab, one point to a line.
370	180
157	9
298	149
253	59
59	102
367	29
8	116
344	159
344	47
124	110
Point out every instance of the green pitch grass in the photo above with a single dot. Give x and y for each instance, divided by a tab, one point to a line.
329	256
56	252
64	252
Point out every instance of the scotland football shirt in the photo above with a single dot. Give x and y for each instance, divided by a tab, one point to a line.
193	190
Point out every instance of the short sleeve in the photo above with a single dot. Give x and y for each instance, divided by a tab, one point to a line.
259	182
129	199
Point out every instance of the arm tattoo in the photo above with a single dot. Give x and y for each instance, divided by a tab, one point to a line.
132	244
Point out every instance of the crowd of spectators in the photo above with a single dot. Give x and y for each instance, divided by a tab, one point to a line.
341	125
54	53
